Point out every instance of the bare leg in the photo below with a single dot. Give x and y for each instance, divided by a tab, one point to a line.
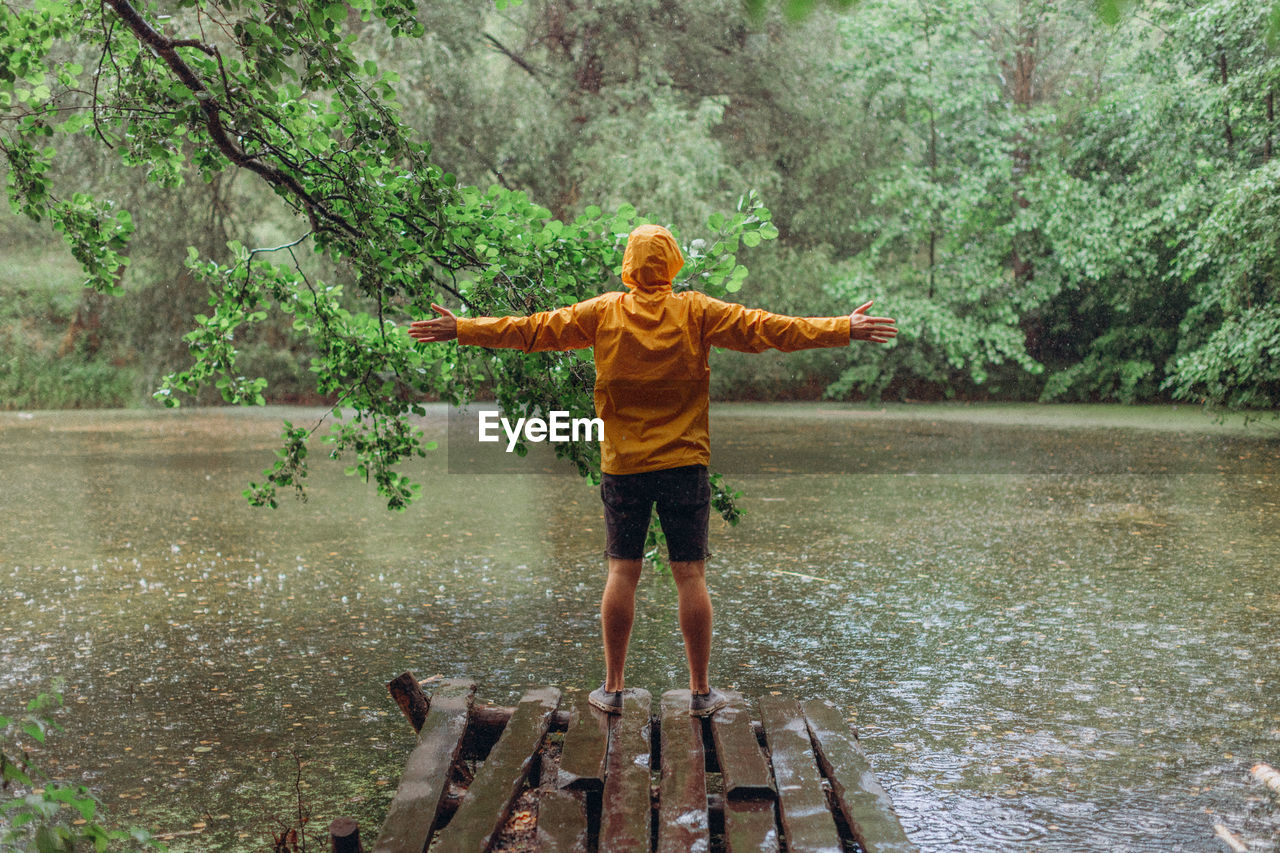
617	613
695	619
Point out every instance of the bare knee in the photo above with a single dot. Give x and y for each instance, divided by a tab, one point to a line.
689	573
625	571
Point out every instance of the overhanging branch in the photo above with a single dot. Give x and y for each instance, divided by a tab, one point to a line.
165	49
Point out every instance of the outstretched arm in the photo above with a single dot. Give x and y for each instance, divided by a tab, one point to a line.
571	327
877	330
732	326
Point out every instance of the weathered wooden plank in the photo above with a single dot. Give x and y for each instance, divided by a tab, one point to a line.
586	745
749	826
807	825
625	812
498	782
682	791
742	763
865	805
562	822
412	813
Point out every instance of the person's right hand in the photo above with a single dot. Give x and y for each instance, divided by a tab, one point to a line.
877	330
442	328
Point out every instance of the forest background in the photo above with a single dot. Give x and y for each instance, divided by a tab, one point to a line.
1058	200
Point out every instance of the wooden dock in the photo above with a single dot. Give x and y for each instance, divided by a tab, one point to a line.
554	774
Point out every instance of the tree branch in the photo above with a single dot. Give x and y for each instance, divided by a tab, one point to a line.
165	50
503	49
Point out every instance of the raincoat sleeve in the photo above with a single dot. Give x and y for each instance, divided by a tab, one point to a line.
732	326
571	327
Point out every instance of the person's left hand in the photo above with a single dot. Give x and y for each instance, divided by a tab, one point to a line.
442	328
878	330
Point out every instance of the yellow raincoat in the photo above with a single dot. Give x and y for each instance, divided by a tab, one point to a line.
651	348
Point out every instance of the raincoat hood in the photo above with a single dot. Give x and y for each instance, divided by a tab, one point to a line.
651	259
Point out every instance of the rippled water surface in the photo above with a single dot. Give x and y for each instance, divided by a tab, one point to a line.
1056	629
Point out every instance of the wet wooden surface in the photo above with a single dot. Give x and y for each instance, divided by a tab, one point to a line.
414	808
562	822
682	792
487	805
865	804
599	790
742	763
807	824
750	826
586	745
625	812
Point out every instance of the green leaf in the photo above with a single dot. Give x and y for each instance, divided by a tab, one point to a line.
797	10
1108	11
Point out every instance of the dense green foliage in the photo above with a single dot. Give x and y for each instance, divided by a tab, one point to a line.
1064	201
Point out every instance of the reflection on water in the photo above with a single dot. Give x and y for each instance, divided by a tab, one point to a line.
1051	636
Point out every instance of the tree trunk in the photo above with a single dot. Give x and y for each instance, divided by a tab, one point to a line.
934	213
1271	121
1025	58
578	44
1226	103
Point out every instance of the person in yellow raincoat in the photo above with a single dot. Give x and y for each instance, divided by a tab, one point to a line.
651	349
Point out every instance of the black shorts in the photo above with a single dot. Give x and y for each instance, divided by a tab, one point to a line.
683	496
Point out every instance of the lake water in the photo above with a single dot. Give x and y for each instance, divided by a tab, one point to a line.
1055	628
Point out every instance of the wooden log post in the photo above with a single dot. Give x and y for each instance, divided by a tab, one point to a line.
344	836
414	704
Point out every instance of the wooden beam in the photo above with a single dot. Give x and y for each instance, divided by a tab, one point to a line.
742	762
625	810
586	745
412	814
865	805
562	822
682	797
750	827
489	800
750	823
807	824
